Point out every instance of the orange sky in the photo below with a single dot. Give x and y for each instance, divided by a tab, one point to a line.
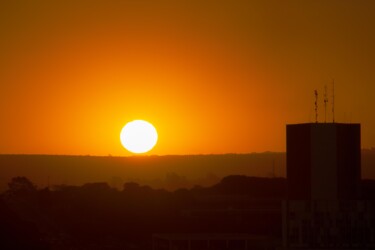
213	77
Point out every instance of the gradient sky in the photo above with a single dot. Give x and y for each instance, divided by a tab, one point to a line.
212	76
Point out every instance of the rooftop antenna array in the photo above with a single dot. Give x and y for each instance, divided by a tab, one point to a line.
325	103
316	106
333	100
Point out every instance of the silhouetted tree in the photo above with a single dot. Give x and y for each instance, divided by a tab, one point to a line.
20	185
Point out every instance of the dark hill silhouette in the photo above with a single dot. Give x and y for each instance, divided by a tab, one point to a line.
255	187
168	172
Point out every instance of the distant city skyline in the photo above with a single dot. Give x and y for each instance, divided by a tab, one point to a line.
213	77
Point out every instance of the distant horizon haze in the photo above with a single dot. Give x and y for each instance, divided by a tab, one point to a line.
170	172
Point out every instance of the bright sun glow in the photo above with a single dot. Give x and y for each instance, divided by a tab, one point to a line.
138	136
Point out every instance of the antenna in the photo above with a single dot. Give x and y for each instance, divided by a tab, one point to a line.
325	103
333	100
316	106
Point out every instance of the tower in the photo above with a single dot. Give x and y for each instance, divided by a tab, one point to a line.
323	161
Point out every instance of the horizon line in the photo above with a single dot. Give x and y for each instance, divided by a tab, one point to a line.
140	155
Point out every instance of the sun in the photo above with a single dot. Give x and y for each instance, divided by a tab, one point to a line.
138	136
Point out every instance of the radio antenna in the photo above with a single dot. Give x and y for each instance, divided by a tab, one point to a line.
333	100
325	103
316	106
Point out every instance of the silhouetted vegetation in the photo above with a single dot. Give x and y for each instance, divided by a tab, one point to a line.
98	216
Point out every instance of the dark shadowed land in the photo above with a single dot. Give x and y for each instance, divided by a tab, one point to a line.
168	172
96	216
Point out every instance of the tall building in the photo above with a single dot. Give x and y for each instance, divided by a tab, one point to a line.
323	209
323	161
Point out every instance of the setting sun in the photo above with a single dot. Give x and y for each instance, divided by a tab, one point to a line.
138	136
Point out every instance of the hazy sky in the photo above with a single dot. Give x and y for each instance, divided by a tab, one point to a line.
212	76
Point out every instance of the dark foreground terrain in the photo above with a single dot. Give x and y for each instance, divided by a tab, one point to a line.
97	216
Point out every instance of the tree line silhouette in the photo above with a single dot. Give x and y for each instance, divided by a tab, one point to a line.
97	216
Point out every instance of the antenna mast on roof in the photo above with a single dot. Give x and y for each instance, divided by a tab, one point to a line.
316	106
325	103
333	100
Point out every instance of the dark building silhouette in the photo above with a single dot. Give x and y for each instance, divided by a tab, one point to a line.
323	209
323	161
